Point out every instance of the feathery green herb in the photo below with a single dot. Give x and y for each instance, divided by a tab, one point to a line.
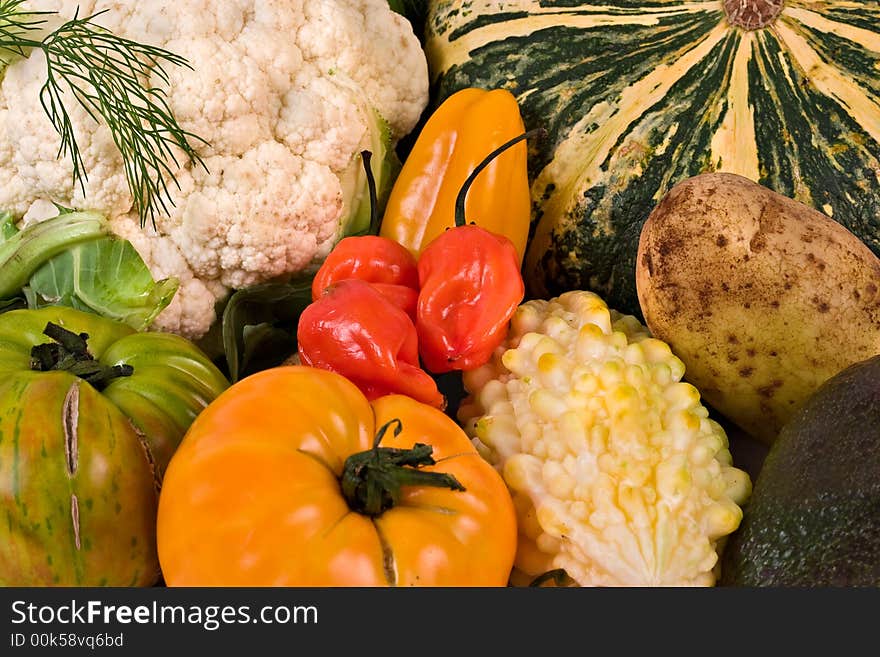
107	75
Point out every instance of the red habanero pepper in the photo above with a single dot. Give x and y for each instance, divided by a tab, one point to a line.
354	330
470	286
382	261
377	260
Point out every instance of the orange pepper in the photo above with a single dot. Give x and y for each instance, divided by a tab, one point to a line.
455	139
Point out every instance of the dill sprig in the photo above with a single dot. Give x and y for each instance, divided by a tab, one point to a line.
106	74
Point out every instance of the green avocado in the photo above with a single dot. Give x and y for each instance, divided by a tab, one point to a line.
813	519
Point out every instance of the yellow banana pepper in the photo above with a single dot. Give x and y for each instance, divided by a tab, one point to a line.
463	130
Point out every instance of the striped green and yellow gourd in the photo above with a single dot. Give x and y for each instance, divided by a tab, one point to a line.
637	95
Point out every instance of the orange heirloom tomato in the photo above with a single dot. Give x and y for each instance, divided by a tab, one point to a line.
292	478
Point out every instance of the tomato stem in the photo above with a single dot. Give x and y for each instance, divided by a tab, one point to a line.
69	352
372	480
465	188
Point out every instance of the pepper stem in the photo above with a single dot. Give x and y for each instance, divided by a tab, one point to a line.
372	480
366	156
465	188
69	353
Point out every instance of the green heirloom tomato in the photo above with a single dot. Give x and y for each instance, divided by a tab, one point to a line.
88	422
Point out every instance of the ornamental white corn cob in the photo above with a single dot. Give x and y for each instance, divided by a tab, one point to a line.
618	474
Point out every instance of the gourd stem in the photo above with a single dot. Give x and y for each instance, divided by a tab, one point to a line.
372	480
752	14
68	352
465	188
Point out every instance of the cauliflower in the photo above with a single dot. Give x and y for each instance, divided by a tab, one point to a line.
618	474
286	94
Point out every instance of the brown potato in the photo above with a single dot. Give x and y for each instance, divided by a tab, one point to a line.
762	297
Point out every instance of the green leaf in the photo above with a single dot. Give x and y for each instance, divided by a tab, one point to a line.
105	276
7	227
266	345
7	231
15	303
259	325
24	252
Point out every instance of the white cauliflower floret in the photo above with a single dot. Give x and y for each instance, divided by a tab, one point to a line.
285	93
619	476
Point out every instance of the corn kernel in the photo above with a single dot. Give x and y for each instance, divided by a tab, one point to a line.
738	485
636	377
519	470
599	317
551	521
576	400
607	463
714	442
710	558
702	455
539	449
527	317
623	398
661	374
545	345
719	431
547	543
516	361
674	480
583	489
556	449
491	393
724	457
561	486
556	327
546	405
619	340
702	478
717	485
579	510
683	396
599	438
587	383
721	519
700	411
610	374
656	351
590	345
573	427
682	425
482	427
552	370
630	501
638	474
